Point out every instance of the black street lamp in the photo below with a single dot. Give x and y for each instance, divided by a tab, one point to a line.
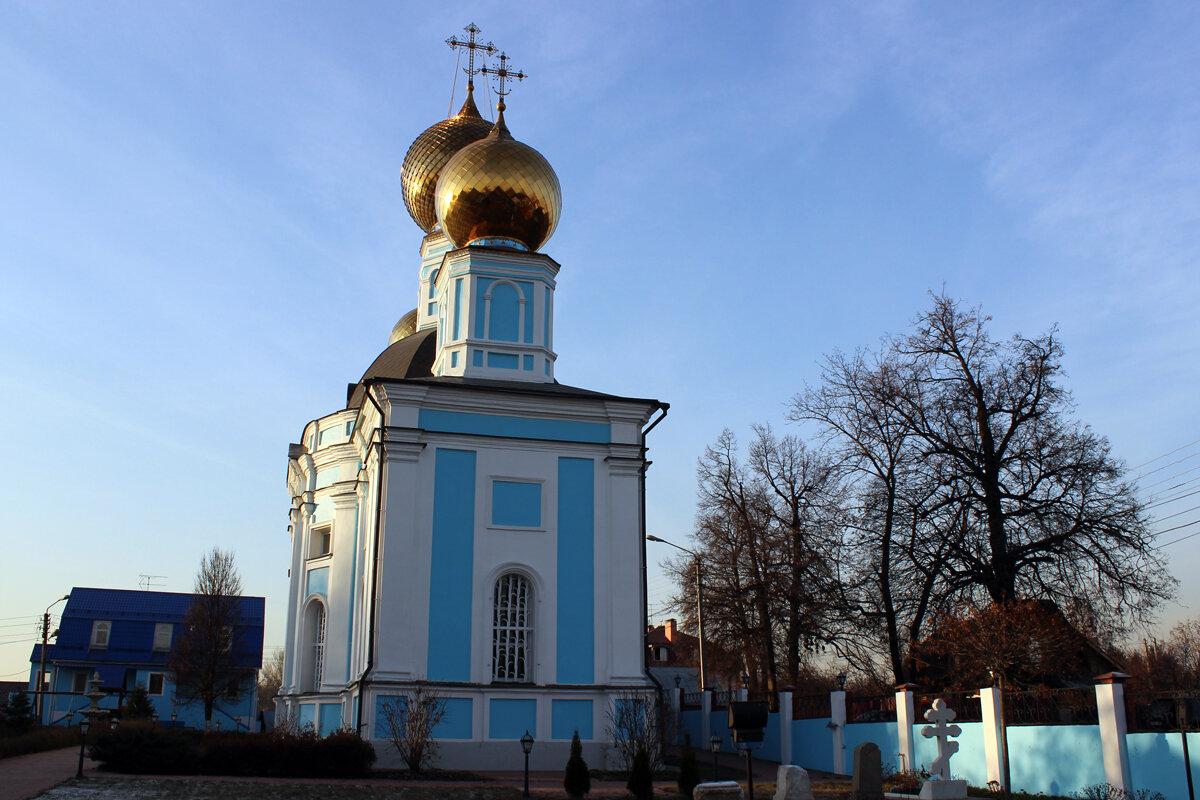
527	746
699	601
84	724
714	744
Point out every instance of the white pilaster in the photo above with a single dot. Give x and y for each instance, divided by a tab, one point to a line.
906	717
785	727
837	723
1110	707
705	715
991	699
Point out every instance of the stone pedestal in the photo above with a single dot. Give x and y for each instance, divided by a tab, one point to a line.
719	790
791	783
944	790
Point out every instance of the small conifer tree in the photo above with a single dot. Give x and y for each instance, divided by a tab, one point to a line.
641	777
138	706
689	773
19	716
577	780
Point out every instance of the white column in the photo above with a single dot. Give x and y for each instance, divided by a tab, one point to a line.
705	714
837	723
993	733
785	727
905	719
1110	706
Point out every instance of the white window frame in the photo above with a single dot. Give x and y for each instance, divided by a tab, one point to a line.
317	534
101	634
164	633
79	681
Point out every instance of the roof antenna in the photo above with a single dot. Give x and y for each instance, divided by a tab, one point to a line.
148	582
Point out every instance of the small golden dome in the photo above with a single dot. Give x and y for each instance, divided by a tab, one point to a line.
498	190
407	326
430	152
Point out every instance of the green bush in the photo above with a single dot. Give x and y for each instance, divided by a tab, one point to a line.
641	777
38	740
689	773
149	750
577	780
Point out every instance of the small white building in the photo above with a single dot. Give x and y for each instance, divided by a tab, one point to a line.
466	523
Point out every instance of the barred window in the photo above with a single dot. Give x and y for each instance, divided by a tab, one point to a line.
314	636
512	629
319	649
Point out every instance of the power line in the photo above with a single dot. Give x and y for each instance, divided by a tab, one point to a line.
1164	455
1171	478
1176	528
1177	513
1164	466
1168	500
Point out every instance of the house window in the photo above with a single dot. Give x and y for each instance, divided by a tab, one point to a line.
100	631
660	654
162	636
155	682
79	681
321	542
512	629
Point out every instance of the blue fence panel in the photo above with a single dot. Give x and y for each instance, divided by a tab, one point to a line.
771	743
812	744
1194	755
1156	763
883	734
969	763
691	725
1055	759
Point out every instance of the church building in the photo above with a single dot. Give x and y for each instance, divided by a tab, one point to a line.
467	525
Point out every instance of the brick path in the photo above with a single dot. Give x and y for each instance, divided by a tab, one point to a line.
22	777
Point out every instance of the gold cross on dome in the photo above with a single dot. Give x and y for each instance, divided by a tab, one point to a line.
503	75
470	45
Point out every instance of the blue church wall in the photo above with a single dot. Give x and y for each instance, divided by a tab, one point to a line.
576	654
329	718
451	565
527	293
509	719
514	427
505	312
308	716
1156	762
516	504
1050	757
970	763
569	716
458	285
546	319
316	581
811	744
456	723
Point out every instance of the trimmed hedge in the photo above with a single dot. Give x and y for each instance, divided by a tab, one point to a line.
38	740
148	750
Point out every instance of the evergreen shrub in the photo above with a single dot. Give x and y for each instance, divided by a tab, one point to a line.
576	779
689	772
641	776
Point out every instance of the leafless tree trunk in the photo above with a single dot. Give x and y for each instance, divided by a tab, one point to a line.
410	722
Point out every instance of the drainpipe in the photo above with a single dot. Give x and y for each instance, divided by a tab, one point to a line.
363	680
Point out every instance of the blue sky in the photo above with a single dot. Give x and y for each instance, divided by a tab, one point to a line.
205	241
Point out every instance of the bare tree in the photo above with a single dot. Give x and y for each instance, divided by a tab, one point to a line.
270	678
410	722
204	657
640	722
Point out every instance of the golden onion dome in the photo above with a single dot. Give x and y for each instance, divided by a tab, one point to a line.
430	152
407	326
498	191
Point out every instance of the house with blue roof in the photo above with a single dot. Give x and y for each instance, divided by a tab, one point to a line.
126	637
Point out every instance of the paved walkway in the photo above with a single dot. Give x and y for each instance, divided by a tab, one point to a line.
22	777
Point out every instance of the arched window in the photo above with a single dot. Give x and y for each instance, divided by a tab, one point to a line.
512	629
314	655
505	312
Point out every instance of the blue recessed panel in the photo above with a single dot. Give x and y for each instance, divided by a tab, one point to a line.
517	504
528	363
476	358
527	293
456	723
451	562
308	716
505	313
476	326
458	309
569	716
329	718
382	703
576	570
454	359
502	360
513	427
546	319
509	719
317	582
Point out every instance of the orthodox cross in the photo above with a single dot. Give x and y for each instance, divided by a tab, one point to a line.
941	715
503	76
470	45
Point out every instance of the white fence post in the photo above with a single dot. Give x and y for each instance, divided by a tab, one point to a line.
1110	709
837	723
785	726
905	719
705	716
992	701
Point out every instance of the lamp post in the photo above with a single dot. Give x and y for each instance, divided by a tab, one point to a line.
526	746
42	667
841	679
714	744
84	724
699	600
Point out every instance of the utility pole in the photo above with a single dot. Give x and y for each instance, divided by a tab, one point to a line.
42	667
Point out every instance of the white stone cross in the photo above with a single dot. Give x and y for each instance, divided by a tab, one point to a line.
941	715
